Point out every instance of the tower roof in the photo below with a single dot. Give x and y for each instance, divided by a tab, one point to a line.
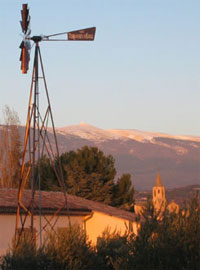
158	181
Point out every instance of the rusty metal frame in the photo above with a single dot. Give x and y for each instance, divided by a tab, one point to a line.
36	142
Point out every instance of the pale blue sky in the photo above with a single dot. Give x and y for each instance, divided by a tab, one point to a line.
141	72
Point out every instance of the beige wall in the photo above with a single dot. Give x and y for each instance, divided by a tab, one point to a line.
100	221
7	227
94	224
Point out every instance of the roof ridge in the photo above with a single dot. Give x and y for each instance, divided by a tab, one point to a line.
52	199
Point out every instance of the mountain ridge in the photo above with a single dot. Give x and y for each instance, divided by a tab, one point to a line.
142	154
124	133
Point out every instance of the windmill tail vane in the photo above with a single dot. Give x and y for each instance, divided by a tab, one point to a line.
36	140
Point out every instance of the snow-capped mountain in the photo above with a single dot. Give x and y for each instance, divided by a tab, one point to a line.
97	135
90	132
144	136
142	154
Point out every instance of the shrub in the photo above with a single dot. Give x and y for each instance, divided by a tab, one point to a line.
23	256
113	251
63	249
68	249
170	242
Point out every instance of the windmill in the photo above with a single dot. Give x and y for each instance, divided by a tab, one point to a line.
36	139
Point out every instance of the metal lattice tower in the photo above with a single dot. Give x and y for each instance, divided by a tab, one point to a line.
36	139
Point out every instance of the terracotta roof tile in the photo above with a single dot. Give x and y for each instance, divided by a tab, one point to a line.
53	200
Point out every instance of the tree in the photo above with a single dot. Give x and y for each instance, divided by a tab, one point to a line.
9	149
47	175
123	193
89	173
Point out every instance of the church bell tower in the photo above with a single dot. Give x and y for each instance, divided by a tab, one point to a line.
159	200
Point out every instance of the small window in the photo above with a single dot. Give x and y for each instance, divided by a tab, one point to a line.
158	191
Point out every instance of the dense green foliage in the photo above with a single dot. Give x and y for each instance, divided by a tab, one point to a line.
171	242
123	193
89	173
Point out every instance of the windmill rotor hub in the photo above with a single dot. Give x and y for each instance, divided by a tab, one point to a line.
36	39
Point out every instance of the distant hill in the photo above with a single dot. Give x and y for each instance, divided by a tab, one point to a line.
179	195
142	154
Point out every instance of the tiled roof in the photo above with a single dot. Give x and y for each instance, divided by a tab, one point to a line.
103	208
50	202
53	200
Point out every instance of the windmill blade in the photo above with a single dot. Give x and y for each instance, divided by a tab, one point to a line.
25	19
87	34
25	47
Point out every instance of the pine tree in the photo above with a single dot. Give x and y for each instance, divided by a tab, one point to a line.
89	173
123	193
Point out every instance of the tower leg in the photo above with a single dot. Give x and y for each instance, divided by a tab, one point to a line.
36	144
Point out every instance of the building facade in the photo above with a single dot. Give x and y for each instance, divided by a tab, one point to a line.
92	216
